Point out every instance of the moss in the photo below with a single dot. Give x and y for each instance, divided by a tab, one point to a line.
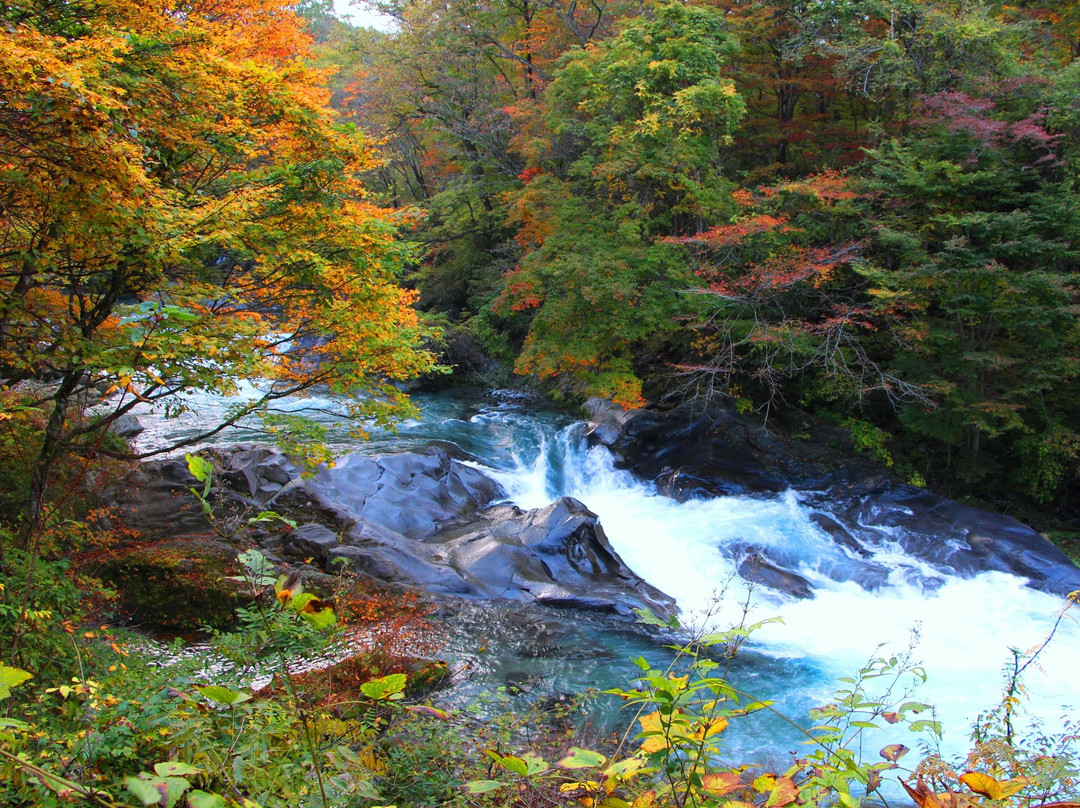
1068	541
178	585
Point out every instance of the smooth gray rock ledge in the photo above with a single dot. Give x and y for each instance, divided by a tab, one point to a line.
430	521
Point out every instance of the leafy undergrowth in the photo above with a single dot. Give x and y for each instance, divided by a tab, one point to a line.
1068	541
126	731
90	716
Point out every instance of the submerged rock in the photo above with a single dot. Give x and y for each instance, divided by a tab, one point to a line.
757	569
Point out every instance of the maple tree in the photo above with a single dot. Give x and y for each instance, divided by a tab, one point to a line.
789	309
180	209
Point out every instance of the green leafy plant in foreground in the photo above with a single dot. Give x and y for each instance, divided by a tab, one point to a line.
136	732
681	715
684	711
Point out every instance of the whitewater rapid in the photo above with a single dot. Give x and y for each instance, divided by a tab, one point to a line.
961	630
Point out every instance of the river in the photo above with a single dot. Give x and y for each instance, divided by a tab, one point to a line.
960	629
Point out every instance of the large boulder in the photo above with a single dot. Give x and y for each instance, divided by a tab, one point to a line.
428	520
556	556
955	538
126	426
411	494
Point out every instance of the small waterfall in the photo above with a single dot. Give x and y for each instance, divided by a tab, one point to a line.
865	603
963	628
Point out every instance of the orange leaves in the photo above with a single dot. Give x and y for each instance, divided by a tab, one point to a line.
190	161
997	790
829	186
721	783
729	235
780	790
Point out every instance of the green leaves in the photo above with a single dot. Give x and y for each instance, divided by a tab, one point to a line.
11	677
201	799
167	785
202	470
389	688
582	759
649	618
482	786
222	695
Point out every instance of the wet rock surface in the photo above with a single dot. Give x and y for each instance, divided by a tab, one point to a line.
424	520
691	453
410	494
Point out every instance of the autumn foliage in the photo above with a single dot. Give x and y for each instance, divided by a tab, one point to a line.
182	210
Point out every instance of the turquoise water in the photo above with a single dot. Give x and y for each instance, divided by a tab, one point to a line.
961	630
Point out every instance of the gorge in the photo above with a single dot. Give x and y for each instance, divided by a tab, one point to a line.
856	566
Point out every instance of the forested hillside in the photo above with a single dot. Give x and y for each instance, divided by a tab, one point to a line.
863	212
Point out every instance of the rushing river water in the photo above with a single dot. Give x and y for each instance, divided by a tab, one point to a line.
962	628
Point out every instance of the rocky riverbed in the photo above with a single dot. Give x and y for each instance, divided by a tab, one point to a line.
433	521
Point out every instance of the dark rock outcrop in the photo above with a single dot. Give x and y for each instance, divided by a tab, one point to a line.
182	584
421	519
556	556
693	453
713	452
957	538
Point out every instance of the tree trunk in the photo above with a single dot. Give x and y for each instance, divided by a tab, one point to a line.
50	447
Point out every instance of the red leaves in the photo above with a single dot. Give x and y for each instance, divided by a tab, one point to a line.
959	112
729	235
520	293
783	270
529	174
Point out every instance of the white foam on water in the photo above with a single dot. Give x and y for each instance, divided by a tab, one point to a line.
965	627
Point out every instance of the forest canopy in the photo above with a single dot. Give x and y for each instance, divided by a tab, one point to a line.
862	213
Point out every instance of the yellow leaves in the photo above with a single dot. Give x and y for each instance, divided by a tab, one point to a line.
997	790
147	164
655	741
659	732
585	785
781	790
713	727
